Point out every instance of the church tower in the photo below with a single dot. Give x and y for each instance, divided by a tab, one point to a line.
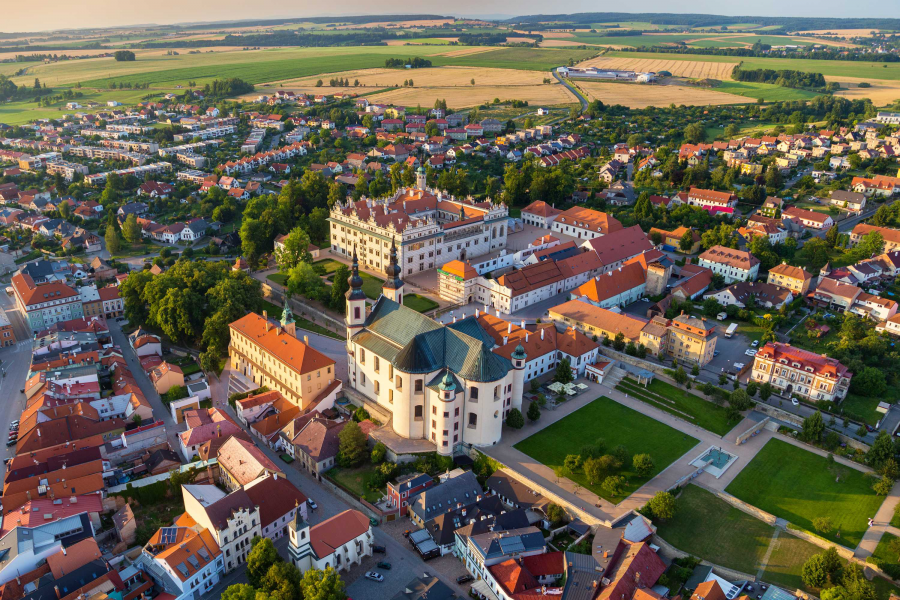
420	178
356	300
519	358
393	285
287	318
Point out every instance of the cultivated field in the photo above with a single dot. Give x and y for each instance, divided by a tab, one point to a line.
694	69
464	97
470	50
435	76
881	93
635	95
841	32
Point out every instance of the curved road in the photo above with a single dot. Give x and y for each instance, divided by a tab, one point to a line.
565	82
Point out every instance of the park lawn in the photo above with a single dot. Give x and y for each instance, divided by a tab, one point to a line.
788	555
616	425
279	278
329	264
682	404
419	303
883	550
863	407
356	480
371	285
797	485
730	538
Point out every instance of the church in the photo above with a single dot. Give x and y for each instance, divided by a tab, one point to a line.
441	383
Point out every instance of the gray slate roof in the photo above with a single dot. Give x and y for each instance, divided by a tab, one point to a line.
444	497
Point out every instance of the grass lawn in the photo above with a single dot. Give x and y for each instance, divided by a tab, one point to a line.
371	285
357	480
275	312
615	424
330	265
419	303
731	537
863	407
797	485
682	404
127	250
279	278
765	91
884	552
787	557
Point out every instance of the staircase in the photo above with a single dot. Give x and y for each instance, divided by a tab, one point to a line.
614	376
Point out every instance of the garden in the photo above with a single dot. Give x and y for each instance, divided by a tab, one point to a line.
730	538
607	448
681	404
800	487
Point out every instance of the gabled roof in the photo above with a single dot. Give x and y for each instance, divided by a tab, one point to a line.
296	355
340	529
244	461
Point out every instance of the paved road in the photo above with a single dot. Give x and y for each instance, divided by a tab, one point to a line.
565	82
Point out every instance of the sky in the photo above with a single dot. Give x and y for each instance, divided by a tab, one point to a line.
55	14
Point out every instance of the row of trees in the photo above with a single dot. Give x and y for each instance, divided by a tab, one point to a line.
192	303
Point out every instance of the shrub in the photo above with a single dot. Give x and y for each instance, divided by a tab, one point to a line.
515	419
643	464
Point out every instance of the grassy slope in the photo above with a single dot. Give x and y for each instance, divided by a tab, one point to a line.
731	538
706	414
797	485
616	424
766	91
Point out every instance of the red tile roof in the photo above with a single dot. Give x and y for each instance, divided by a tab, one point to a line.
337	531
282	346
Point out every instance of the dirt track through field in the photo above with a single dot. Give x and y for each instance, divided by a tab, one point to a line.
694	69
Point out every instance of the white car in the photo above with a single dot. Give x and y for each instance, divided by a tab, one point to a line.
375	576
795	402
312	503
750	352
755	343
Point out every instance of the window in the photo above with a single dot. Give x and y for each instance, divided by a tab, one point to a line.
418	412
418	386
362	358
377	388
473	420
377	365
433	424
434	410
473	393
456	412
398	383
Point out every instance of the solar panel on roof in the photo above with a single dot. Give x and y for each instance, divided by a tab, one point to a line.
167	535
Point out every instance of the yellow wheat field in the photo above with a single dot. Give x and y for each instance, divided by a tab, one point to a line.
694	69
469	50
435	76
881	93
636	95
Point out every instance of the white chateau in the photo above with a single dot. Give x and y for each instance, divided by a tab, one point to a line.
428	227
441	383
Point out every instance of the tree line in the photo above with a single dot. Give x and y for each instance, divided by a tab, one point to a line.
784	77
400	63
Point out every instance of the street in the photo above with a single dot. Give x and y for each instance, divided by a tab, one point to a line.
16	361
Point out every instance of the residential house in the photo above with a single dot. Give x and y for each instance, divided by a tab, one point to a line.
339	542
796	371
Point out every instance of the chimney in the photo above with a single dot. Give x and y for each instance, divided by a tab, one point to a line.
64	550
306	340
275	476
509	328
477	313
526	336
454	318
542	334
505	340
522	323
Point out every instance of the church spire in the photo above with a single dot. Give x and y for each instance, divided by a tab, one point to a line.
393	285
355	281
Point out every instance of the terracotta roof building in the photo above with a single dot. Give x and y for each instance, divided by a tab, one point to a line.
796	371
593	320
240	462
584	223
733	265
272	356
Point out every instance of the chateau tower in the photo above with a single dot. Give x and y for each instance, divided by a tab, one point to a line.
393	285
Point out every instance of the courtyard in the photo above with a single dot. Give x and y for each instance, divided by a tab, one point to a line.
616	425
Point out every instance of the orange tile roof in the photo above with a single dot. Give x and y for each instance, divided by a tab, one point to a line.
32	294
282	346
601	318
337	531
612	283
738	259
541	209
821	365
711	196
461	269
74	557
244	461
708	590
787	270
587	218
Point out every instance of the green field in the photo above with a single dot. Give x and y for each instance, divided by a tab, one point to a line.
17	113
798	486
788	555
838	68
329	264
765	91
616	425
731	538
258	66
884	552
357	480
680	403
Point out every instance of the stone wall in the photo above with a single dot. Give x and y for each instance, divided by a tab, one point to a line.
741	505
797	421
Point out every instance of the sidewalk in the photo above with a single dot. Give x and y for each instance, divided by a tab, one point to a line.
882	525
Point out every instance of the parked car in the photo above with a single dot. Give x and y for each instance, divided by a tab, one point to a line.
312	503
755	343
384	565
464	579
379	549
795	402
11	443
750	352
375	576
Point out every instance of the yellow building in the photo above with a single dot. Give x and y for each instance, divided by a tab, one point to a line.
793	278
673	238
691	339
272	356
751	169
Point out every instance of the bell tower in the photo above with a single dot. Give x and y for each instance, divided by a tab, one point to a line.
356	300
393	285
420	178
